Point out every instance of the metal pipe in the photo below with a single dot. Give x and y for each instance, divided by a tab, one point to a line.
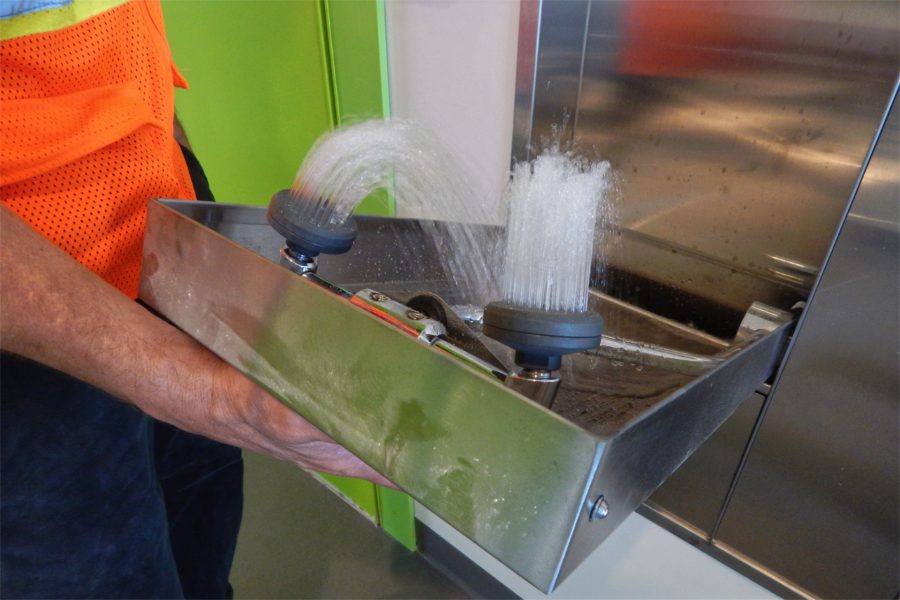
539	385
758	320
623	350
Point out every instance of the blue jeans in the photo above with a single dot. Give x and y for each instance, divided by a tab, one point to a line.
98	500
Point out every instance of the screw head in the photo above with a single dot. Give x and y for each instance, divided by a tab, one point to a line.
378	297
599	509
415	315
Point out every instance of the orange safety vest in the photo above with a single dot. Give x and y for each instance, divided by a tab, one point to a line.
86	128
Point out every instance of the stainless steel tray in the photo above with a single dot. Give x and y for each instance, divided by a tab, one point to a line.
538	489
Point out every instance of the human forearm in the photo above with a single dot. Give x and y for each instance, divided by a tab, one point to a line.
57	312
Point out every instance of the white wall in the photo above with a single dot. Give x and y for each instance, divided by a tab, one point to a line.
452	68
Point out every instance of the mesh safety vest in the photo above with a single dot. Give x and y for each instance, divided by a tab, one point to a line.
86	127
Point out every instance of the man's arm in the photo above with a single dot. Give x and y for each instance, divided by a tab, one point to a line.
59	313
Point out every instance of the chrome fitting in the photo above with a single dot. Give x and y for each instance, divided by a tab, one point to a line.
300	264
537	384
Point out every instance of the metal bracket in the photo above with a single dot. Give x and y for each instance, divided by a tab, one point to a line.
412	321
300	264
761	318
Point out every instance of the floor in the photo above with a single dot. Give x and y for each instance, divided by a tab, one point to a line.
639	560
298	540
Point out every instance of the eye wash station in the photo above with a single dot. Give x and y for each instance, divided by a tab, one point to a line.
517	420
705	334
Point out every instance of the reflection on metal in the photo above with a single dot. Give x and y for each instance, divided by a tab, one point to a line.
471	360
518	479
599	509
660	439
298	263
529	21
760	317
737	129
454	439
474	315
678	361
600	299
826	451
540	386
793	270
424	329
831	418
696	492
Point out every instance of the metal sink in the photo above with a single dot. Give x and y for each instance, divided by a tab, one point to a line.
537	488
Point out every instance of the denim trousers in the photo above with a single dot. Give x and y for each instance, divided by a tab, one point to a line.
98	500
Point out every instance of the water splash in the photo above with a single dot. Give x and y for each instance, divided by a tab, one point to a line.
552	206
552	213
347	165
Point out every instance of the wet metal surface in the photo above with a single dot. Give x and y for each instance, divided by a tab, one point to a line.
511	475
737	128
454	439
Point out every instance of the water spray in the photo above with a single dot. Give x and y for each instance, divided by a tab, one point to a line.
544	314
305	239
348	164
552	208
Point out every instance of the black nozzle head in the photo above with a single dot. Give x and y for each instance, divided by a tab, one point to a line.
541	337
305	238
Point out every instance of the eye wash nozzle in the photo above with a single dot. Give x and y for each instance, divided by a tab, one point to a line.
306	239
544	313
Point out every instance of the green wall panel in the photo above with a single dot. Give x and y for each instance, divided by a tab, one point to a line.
260	90
362	492
358	59
396	514
267	78
359	69
357	54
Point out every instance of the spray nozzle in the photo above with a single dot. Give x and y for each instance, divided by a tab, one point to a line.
541	337
304	238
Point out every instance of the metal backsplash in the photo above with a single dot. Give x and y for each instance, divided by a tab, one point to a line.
826	450
737	130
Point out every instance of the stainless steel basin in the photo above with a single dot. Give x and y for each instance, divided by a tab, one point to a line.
538	489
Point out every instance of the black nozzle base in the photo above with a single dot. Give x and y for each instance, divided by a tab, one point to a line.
540	337
285	215
538	362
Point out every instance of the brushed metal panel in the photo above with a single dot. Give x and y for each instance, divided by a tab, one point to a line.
510	475
818	500
737	130
649	448
526	62
548	79
506	472
696	492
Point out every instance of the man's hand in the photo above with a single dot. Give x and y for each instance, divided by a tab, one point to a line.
57	312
